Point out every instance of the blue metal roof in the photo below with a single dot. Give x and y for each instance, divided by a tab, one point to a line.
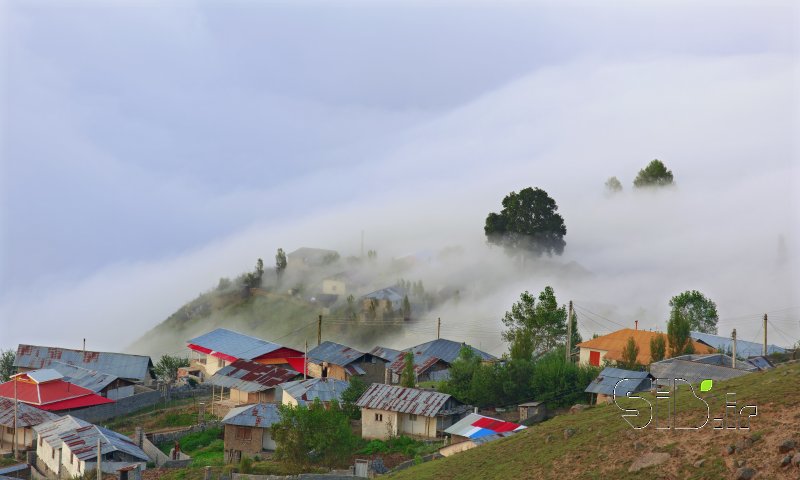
388	354
621	381
393	294
324	389
82	377
82	442
446	350
743	348
334	353
261	415
694	372
234	344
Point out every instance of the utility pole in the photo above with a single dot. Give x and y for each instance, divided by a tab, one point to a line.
16	450
99	461
765	334
305	362
569	333
733	337
319	330
438	328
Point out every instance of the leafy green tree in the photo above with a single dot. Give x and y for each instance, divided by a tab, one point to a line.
314	435
658	348
280	263
7	358
408	376
253	279
527	224
613	185
533	328
167	367
351	306
655	174
351	395
698	309
576	335
678	333
630	354
459	384
406	308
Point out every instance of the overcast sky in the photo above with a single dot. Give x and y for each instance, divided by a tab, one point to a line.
150	148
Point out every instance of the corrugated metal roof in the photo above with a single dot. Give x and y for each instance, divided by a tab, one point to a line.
762	363
743	348
613	380
123	365
82	442
27	415
446	350
51	431
393	294
422	363
90	379
42	375
404	400
259	415
388	354
234	344
692	372
324	389
719	359
251	376
491	438
334	353
475	426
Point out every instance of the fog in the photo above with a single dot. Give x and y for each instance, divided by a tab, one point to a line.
424	179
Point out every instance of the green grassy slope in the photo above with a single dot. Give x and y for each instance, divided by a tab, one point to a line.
604	445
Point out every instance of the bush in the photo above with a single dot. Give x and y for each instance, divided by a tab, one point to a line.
246	464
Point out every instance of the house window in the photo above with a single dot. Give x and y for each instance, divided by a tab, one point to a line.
378	417
243	433
220	362
53	454
594	358
412	417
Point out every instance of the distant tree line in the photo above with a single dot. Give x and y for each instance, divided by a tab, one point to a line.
655	174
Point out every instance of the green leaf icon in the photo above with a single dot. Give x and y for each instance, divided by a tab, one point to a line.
705	385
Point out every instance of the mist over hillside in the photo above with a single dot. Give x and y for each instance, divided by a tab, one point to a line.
728	228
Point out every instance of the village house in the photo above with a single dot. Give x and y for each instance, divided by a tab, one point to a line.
333	360
103	384
744	348
248	430
388	411
389	355
304	392
448	350
221	347
305	258
389	298
609	347
67	448
335	284
432	359
46	389
616	381
475	429
532	412
698	367
132	368
27	418
251	382
426	368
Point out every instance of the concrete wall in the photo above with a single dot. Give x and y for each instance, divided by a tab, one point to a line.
584	355
124	406
26	438
419	427
247	447
381	428
121	392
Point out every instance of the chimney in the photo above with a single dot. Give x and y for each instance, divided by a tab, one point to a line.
84	347
636	322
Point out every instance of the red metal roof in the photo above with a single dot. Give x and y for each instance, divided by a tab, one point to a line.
80	402
46	395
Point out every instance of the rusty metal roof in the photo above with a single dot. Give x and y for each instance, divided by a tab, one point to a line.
82	442
447	350
422	363
123	365
261	415
251	376
388	354
51	431
27	415
404	400
324	389
334	353
82	377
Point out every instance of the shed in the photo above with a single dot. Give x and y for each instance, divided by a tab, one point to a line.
532	412
248	430
334	360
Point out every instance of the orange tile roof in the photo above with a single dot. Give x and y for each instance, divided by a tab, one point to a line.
615	342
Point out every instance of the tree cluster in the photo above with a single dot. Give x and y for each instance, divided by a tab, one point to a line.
167	367
7	358
528	224
533	328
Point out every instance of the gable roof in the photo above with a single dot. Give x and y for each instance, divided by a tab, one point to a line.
123	365
393	294
324	389
622	380
687	368
251	376
422	363
231	346
743	347
403	400
51	432
27	415
82	442
615	342
52	395
334	353
446	350
82	377
476	426
388	354
261	415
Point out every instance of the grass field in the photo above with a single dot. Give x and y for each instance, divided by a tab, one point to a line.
177	413
603	445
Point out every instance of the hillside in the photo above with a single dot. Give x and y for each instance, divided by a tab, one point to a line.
603	445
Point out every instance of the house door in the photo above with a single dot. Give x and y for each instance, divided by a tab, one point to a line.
594	358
